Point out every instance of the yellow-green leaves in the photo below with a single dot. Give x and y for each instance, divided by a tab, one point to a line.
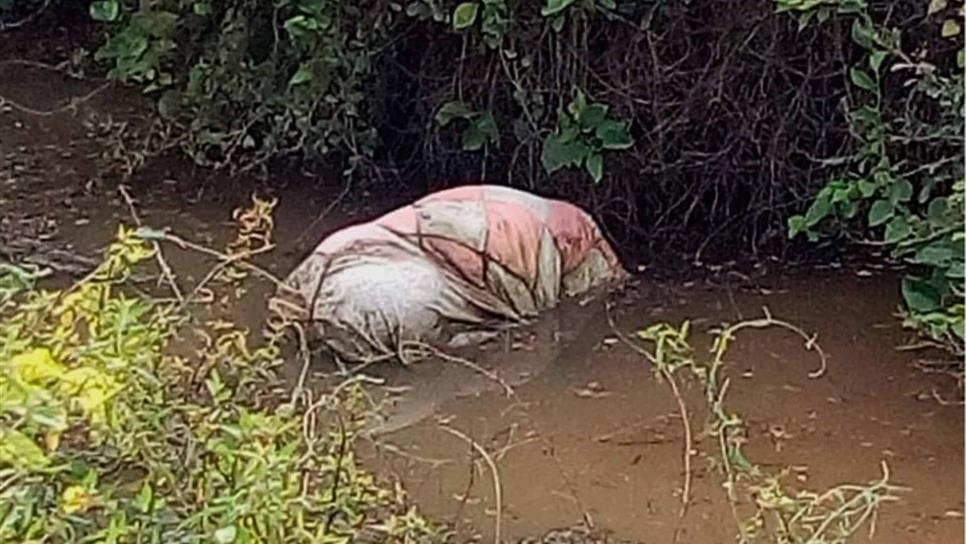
935	6
465	15
76	499
20	451
89	390
35	366
950	28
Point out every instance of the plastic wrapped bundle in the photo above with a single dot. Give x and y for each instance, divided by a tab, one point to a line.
457	262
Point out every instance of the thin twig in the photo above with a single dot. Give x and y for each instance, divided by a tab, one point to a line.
688	442
497	486
26	19
682	409
71	105
325	212
238	259
166	272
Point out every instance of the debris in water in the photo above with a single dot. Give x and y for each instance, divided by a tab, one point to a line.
593	391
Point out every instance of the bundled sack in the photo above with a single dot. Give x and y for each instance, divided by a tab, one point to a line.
458	261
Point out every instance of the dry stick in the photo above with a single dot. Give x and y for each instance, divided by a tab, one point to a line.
682	408
233	259
842	509
497	487
322	216
166	272
26	19
72	104
299	388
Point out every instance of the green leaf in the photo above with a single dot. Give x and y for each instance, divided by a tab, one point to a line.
614	135
868	115
875	60
926	190
201	8
18	450
950	28
145	497
803	19
863	34
897	230
866	188
554	7
464	16
900	191
168	104
841	192
796	224
452	110
936	212
935	6
105	10
557	23
480	132
302	75
848	209
880	212
595	166
862	79
557	153
226	535
419	10
592	116
934	255
819	210
578	104
148	233
921	295
956	270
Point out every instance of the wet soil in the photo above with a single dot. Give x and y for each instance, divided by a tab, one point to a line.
588	434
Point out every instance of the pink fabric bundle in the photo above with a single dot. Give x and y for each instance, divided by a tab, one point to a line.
473	256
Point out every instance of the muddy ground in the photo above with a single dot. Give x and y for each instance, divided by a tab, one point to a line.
588	435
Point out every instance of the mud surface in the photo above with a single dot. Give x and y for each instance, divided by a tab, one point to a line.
587	434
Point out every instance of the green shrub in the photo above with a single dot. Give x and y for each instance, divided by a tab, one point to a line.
904	183
108	435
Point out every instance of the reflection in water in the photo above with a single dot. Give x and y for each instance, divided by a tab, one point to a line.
511	359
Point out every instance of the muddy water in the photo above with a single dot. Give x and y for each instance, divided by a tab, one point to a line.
588	434
595	436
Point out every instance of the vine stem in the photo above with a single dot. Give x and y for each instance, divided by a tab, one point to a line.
682	410
688	442
497	486
768	321
166	272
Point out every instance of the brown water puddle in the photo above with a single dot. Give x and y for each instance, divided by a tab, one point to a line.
595	436
588	434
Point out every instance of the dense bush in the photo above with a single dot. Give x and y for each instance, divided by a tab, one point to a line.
903	184
705	128
107	435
